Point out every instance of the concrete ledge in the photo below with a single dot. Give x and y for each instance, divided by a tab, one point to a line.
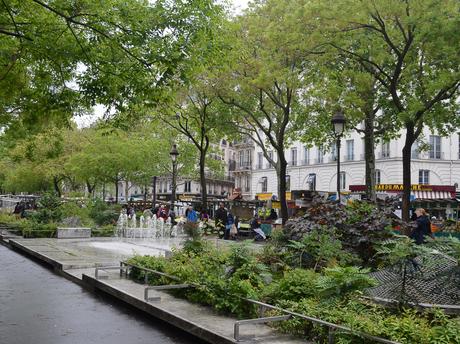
196	330
73	233
18	246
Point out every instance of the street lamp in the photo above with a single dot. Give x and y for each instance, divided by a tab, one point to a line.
338	121
174	154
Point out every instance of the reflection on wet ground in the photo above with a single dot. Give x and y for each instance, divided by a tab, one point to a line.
40	307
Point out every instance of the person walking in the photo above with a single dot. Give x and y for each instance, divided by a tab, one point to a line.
228	225
192	216
423	227
221	220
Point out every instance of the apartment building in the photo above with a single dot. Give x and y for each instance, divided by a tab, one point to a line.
315	168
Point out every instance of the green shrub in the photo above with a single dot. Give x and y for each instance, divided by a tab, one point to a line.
77	210
409	327
294	285
339	281
104	231
149	262
106	217
49	209
39	230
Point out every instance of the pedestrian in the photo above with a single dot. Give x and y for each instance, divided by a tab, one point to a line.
423	227
192	216
228	225
162	213
259	233
204	216
273	216
156	209
221	220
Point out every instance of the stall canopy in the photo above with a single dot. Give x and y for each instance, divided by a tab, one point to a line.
418	191
432	195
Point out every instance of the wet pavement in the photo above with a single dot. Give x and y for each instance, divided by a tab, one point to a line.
40	307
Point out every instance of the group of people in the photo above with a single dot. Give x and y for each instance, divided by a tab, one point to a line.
225	221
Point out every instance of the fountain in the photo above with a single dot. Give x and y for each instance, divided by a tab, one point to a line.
149	227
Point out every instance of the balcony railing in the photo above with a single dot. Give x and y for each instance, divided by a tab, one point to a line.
305	162
259	166
383	155
244	166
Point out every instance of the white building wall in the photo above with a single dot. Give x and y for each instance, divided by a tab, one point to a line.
444	171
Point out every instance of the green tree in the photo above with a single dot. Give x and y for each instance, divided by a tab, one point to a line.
411	48
265	82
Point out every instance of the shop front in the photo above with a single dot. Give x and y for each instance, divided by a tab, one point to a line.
438	200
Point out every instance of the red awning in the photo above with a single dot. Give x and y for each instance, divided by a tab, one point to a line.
433	195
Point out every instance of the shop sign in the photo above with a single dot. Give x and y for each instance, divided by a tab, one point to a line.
184	198
264	196
399	187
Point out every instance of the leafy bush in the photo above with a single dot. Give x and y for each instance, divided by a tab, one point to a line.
320	248
104	231
39	230
49	209
408	327
359	226
339	281
295	284
106	217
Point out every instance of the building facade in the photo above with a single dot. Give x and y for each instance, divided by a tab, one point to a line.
315	168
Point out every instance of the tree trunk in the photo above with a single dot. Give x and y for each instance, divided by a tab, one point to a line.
369	155
57	188
116	190
281	171
406	159
204	192
126	190
90	187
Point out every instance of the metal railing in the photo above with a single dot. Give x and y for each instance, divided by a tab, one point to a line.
287	314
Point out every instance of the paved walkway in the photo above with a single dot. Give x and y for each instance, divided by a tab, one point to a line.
77	258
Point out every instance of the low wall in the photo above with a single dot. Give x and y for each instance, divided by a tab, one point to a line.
72	233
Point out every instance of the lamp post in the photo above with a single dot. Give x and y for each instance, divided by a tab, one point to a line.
174	154
154	191
338	121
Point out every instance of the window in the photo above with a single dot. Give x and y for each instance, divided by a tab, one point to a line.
270	155
306	155
311	181
247	158
378	177
224	143
294	156
247	185
414	151
264	183
334	152
435	147
342	180
188	186
386	150
288	183
260	158
320	156
424	177
350	150
241	158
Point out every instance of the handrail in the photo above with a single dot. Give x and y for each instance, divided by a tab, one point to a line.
331	326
